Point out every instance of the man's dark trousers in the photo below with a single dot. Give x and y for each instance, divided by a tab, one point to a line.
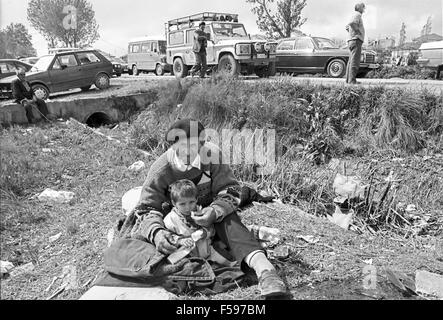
354	60
200	63
239	240
41	106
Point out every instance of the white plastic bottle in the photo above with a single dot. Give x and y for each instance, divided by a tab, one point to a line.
268	236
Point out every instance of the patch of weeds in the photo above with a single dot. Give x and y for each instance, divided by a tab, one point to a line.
72	227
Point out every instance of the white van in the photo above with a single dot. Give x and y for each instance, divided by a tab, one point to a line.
431	56
147	54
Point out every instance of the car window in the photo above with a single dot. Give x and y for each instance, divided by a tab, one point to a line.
176	38
154	47
146	47
286	45
304	44
135	48
87	58
6	67
189	36
68	60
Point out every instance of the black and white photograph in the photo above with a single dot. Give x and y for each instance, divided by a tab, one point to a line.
221	155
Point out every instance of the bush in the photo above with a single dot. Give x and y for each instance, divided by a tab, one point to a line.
404	72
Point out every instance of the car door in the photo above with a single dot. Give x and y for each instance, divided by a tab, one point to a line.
285	55
145	56
90	65
304	58
65	72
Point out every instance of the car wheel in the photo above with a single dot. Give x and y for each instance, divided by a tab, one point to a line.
85	88
102	81
135	71
40	91
228	65
336	68
159	70
180	69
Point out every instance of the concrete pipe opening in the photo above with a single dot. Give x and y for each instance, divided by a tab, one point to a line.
98	119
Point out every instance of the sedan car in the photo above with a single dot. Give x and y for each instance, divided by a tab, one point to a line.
305	54
63	71
8	67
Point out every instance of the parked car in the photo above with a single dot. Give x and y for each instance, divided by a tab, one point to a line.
148	54
123	65
431	56
304	54
63	71
9	66
29	60
230	49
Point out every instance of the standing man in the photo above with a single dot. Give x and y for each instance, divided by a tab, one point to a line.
199	48
356	38
23	94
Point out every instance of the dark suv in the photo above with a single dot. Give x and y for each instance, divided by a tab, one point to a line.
63	71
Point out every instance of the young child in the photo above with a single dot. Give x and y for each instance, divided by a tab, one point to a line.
184	199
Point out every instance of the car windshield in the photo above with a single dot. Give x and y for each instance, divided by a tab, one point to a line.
42	64
324	43
229	30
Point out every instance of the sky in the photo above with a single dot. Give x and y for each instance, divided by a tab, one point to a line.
119	21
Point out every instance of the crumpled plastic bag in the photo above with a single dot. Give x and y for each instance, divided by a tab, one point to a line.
348	187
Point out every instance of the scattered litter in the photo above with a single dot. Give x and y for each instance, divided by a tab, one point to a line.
429	283
369	261
26	268
280	252
47	150
69	276
349	187
401	281
267	236
137	166
130	199
55	238
309	239
410	208
50	195
5	268
341	219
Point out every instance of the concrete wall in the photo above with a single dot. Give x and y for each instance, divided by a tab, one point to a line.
117	108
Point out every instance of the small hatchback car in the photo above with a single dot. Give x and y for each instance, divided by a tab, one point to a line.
63	71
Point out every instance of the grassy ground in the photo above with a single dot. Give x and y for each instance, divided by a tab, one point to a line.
95	169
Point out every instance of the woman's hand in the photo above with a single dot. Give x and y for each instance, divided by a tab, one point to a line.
205	217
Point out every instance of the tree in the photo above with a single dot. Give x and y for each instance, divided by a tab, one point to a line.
15	42
402	40
71	22
282	23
